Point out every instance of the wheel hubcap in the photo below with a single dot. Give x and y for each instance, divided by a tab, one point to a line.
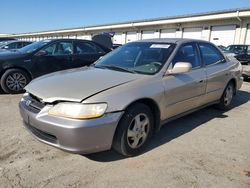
16	81
138	131
228	95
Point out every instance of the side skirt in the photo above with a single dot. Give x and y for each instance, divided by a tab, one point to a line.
186	113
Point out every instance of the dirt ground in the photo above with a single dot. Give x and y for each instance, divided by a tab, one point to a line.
208	148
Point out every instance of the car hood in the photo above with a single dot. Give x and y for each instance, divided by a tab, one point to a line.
10	54
77	84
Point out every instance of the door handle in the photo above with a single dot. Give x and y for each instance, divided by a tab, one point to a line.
201	81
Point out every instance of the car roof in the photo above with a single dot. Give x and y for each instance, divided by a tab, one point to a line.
15	41
172	40
239	45
59	39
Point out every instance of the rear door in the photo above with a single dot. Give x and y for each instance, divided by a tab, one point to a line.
184	91
86	53
57	56
216	71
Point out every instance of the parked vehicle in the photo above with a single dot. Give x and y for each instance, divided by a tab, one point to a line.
116	46
6	39
128	94
18	68
246	71
221	47
240	52
12	44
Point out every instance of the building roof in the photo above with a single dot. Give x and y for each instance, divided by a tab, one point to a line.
134	22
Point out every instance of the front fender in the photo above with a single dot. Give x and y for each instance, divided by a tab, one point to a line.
120	97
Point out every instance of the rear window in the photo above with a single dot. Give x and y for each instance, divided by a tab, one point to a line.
210	54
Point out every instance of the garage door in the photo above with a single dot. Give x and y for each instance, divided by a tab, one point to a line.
79	36
223	35
72	36
131	36
148	34
168	33
248	35
192	33
87	37
117	39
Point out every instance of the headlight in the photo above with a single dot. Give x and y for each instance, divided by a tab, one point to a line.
78	110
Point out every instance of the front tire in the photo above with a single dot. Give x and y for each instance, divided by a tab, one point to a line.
13	81
134	130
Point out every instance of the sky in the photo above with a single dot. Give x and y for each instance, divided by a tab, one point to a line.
21	16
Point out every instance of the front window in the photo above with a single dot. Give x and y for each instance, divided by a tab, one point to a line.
34	46
187	53
59	48
138	57
4	43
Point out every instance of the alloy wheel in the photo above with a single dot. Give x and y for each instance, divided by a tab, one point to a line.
228	95
16	81
138	131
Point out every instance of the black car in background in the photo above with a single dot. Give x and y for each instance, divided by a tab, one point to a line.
19	67
5	39
240	52
221	47
12	44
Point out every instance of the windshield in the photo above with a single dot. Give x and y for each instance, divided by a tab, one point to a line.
138	57
236	48
34	46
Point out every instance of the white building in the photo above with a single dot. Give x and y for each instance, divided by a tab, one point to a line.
220	27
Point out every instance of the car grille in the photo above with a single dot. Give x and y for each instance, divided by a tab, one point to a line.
34	104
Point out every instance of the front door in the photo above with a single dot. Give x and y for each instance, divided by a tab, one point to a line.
55	57
183	91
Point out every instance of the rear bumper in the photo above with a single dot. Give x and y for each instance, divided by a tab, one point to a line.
76	136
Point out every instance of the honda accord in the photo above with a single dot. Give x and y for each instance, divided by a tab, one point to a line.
127	95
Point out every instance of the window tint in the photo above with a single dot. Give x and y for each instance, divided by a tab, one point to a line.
19	45
187	53
87	48
25	44
60	48
12	46
240	48
210	54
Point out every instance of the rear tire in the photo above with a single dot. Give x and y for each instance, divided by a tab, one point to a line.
134	130
13	81
226	98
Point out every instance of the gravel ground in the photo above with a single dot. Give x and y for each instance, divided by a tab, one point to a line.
205	149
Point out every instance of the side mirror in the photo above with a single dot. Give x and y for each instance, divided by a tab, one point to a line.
180	67
41	53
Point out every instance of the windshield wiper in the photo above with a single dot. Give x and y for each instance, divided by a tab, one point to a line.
114	67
